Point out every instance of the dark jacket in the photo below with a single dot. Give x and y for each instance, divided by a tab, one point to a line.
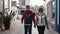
32	16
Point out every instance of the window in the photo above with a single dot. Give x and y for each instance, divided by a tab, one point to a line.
23	2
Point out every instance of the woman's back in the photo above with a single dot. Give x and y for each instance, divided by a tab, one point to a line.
40	19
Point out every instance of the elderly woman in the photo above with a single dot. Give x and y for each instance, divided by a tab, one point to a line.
41	20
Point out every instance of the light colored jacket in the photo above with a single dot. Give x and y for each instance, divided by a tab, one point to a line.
41	19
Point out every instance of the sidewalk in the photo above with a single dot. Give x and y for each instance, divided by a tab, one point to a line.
18	28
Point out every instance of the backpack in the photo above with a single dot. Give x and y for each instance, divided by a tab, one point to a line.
28	18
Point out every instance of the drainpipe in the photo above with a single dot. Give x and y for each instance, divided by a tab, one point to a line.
3	8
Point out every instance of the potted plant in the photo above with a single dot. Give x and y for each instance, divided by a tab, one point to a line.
7	16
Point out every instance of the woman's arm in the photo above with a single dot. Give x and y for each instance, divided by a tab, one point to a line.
46	22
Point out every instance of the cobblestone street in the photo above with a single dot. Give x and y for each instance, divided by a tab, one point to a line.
18	28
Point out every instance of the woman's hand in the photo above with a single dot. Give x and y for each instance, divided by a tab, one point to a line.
47	27
35	26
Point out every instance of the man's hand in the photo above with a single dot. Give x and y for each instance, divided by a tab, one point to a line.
22	22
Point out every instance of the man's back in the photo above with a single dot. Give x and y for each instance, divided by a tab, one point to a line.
31	16
28	17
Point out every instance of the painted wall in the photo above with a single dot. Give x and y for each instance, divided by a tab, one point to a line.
1	5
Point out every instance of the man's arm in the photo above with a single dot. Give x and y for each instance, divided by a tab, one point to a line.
33	17
34	20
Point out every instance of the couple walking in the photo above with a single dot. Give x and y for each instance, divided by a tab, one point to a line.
40	21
